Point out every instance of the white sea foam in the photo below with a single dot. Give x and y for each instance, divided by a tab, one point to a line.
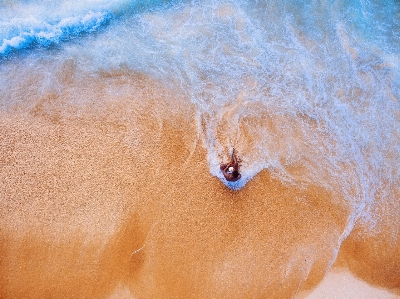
46	23
25	32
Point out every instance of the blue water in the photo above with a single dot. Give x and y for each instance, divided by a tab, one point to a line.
30	24
308	91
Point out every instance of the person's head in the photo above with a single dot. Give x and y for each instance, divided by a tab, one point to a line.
231	169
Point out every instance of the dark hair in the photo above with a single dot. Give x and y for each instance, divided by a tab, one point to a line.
235	173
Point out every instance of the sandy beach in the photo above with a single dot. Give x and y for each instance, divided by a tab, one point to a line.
111	197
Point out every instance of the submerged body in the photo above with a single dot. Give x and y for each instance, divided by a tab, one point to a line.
231	169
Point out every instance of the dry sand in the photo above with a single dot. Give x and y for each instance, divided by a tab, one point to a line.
341	284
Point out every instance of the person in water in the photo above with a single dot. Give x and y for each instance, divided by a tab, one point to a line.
231	169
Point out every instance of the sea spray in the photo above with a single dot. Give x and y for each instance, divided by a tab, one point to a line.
48	23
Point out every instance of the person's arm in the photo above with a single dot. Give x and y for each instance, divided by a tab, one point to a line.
234	161
227	176
233	158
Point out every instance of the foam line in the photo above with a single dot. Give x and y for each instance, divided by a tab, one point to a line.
24	33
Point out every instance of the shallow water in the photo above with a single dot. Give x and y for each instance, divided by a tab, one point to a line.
121	108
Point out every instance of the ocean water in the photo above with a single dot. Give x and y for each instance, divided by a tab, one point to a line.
308	92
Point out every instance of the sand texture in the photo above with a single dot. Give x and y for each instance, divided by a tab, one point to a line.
108	194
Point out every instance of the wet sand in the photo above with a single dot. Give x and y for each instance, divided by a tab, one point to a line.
340	283
111	194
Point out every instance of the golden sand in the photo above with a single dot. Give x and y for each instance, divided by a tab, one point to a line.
113	192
